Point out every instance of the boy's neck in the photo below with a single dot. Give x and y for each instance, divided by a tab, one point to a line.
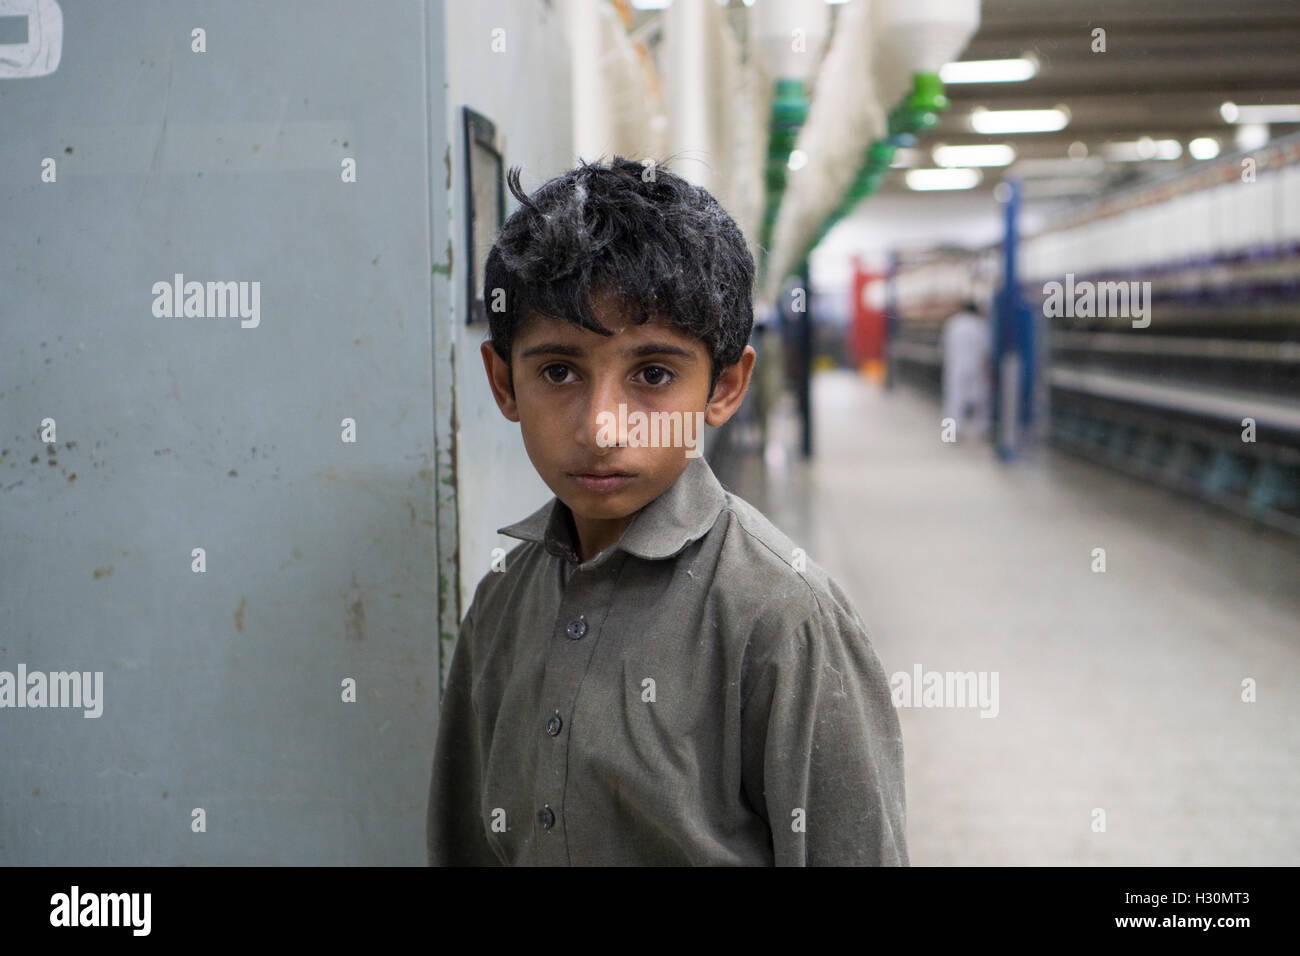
594	535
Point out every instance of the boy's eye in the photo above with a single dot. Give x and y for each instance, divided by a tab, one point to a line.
548	371
657	375
558	374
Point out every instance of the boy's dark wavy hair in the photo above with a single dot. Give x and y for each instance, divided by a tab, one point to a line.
658	243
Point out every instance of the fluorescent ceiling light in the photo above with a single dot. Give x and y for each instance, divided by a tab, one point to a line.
999	122
1280	113
1250	136
1168	149
651	4
989	71
1204	147
925	179
1143	149
989	155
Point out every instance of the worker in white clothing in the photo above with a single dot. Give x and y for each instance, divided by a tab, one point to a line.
967	369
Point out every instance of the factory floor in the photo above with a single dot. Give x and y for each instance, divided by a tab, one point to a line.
1120	736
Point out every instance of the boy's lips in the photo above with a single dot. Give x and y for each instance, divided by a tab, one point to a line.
603	480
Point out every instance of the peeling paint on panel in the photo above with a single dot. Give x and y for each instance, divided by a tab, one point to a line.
444	270
355	621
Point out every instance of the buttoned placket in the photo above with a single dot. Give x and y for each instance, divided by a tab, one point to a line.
588	596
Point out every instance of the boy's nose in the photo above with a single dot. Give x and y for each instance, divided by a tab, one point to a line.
602	426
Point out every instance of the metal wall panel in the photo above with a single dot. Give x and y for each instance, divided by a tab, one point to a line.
222	690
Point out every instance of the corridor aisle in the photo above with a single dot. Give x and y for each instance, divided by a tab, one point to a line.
1118	692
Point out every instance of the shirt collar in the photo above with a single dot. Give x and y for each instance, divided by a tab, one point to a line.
684	512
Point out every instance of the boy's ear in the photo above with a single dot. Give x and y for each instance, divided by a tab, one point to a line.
498	374
730	389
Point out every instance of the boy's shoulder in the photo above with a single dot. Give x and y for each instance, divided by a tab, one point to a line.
488	590
761	566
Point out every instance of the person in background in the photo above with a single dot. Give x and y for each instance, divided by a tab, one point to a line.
769	378
967	378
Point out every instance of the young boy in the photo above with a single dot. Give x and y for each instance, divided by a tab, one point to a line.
658	676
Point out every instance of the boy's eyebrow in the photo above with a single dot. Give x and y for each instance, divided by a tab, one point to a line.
640	351
659	348
552	348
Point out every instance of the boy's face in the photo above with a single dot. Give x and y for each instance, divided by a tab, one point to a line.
565	377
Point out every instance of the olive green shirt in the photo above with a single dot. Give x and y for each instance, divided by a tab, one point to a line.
699	693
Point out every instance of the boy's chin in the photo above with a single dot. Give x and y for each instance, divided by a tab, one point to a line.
603	507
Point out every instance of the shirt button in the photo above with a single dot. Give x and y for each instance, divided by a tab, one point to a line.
546	817
554	724
577	628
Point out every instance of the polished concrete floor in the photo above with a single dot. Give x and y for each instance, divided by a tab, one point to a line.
1121	735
